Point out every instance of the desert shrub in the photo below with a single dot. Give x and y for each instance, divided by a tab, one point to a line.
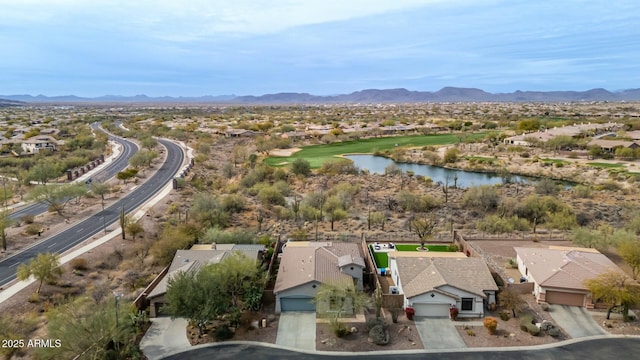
27	219
547	187
525	320
533	330
219	236
527	325
471	332
279	174
608	186
451	155
33	229
309	213
408	201
554	332
483	197
283	213
223	333
491	324
544	306
337	167
375	321
582	191
300	234
234	203
301	167
378	335
255	176
271	195
504	316
453	248
79	264
339	329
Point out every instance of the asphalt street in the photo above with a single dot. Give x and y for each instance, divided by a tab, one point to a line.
94	224
119	164
608	348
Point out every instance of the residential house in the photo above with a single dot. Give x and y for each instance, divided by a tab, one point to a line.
434	282
38	143
193	260
559	273
240	133
306	265
611	145
574	131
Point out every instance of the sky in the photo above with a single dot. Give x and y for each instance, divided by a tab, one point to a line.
324	47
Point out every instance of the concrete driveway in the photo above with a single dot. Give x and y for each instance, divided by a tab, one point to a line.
438	333
576	321
165	336
297	330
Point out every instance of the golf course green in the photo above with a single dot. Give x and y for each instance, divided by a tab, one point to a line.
316	155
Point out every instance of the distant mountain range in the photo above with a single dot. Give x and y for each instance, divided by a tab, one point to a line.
447	94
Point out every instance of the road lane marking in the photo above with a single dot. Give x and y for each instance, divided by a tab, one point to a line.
79	230
16	264
50	246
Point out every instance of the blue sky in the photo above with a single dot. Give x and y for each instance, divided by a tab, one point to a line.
215	47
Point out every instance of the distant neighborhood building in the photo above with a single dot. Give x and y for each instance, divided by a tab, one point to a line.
193	260
306	265
38	143
434	282
579	130
240	133
558	273
611	145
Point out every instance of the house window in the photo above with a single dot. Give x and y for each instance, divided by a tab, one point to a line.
467	304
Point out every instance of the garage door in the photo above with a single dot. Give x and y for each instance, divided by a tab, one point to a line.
297	304
564	298
431	309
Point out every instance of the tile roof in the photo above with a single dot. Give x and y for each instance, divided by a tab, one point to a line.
419	275
564	267
193	260
305	261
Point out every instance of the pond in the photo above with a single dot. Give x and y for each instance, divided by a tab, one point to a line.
377	165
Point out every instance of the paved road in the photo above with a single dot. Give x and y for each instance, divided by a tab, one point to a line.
605	349
119	164
297	330
576	321
439	333
94	224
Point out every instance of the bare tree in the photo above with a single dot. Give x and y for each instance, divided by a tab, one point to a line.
423	226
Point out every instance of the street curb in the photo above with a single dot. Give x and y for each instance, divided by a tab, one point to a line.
401	352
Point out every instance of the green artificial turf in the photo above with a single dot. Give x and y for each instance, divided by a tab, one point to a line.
382	260
316	155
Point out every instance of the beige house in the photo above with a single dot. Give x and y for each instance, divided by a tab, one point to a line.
37	143
193	260
558	273
305	265
434	282
576	130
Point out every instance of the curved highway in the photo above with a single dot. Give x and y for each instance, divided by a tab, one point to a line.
96	223
116	166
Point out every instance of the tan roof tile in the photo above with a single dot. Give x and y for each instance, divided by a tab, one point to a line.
564	267
422	274
304	262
